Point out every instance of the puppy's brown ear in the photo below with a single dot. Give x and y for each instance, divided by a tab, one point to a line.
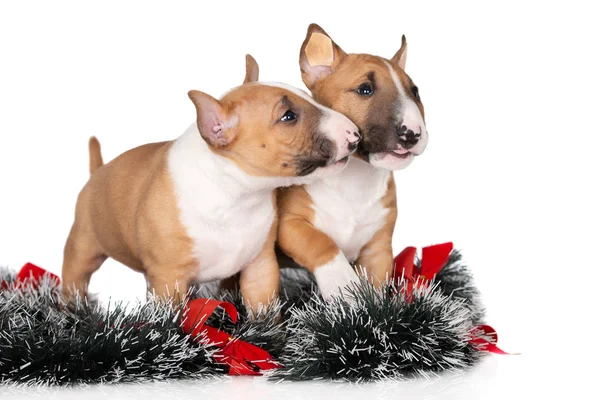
213	123
400	56
319	56
251	69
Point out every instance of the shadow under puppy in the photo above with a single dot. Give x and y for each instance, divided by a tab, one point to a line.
349	218
202	207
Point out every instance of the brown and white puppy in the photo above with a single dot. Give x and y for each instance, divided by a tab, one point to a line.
349	218
202	207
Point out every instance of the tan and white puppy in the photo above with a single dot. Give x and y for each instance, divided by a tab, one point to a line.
349	218
202	207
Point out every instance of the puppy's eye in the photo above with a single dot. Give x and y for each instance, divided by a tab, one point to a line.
365	89
415	92
288	116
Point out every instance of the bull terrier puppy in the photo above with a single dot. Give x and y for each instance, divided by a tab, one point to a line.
327	226
202	207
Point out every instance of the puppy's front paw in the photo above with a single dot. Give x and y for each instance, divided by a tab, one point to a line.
335	277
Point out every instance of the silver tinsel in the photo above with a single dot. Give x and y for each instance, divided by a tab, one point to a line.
378	336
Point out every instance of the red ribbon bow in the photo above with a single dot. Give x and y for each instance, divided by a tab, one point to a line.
484	338
30	274
243	358
432	261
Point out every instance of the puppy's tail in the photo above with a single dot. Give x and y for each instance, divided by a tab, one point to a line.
95	155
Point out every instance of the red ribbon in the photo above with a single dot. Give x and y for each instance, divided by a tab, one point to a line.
243	358
485	338
432	261
30	274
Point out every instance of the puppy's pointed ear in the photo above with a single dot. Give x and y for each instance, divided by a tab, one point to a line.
319	56
251	69
212	120
400	56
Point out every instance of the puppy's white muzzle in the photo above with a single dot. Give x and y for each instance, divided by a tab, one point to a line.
342	132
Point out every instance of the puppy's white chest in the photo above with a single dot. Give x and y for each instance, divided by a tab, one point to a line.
348	207
226	242
227	220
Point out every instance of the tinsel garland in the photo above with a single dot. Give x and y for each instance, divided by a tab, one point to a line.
381	335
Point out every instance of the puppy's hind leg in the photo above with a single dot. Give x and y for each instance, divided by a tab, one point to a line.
82	257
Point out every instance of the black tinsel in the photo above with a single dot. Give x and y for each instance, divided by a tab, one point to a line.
378	336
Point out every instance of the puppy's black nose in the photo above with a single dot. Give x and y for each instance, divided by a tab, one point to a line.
407	138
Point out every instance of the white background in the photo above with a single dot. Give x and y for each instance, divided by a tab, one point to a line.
510	174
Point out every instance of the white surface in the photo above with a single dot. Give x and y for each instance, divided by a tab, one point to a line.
510	173
497	378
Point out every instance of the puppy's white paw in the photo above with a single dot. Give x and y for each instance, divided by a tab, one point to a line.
334	277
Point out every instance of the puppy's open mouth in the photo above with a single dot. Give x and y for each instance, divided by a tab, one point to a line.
400	153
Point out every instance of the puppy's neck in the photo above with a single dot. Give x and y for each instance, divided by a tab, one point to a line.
359	180
193	164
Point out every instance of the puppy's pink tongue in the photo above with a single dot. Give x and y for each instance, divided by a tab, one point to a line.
400	151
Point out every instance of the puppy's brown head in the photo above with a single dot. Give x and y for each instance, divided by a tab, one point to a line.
275	130
374	92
